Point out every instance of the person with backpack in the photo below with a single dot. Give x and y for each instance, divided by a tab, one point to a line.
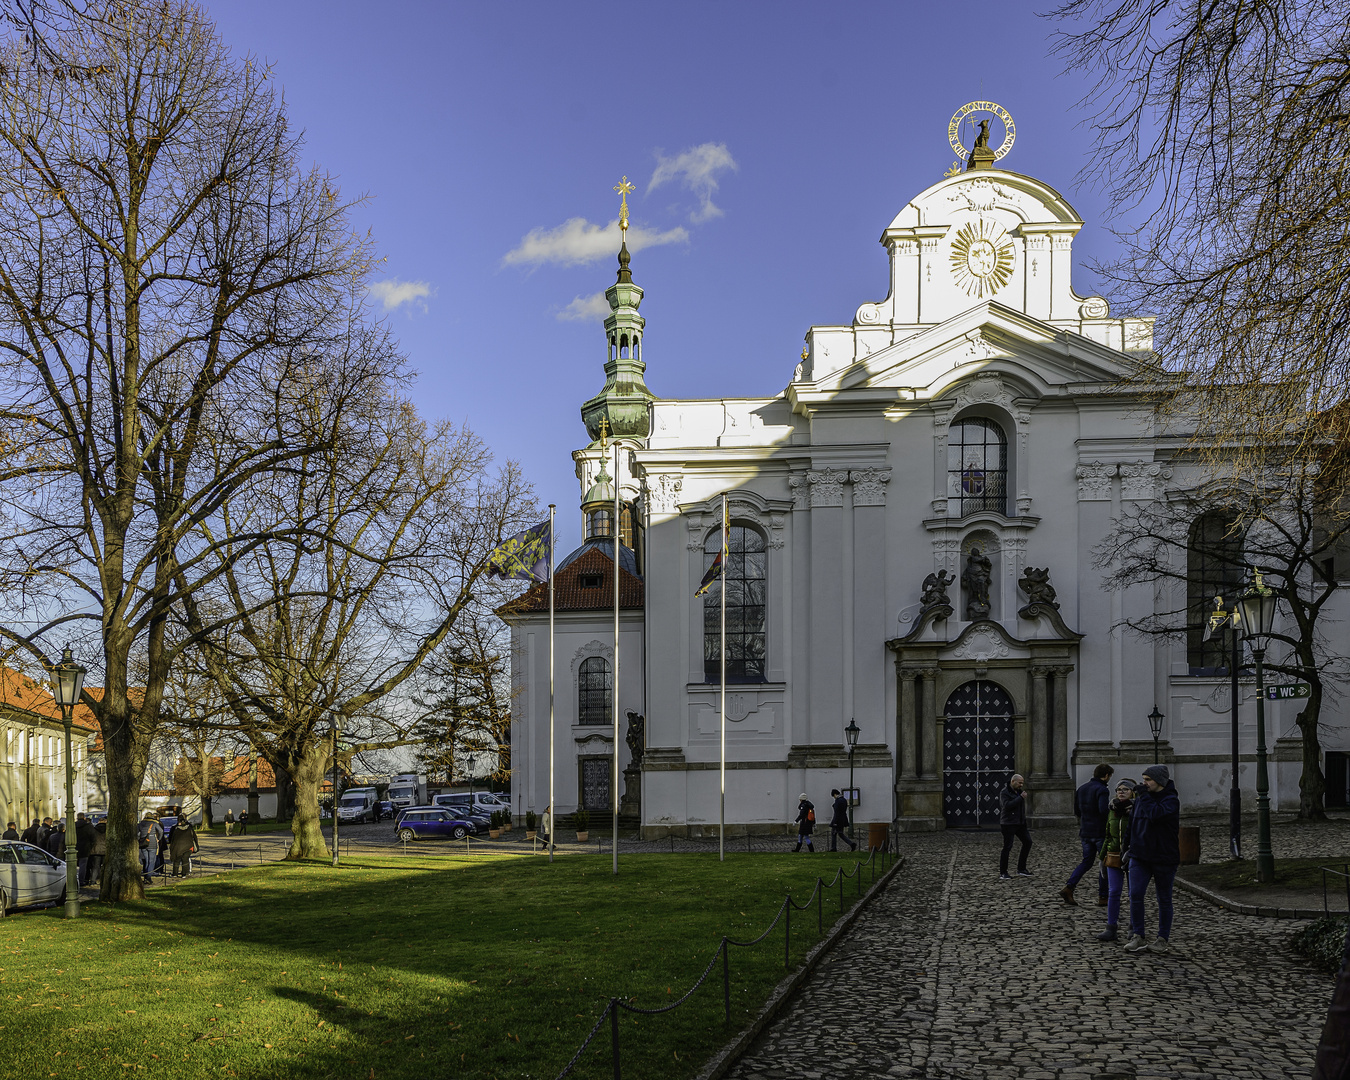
806	822
1154	854
1012	819
839	822
1115	851
1090	805
149	833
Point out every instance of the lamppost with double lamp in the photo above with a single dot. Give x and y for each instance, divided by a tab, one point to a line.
851	733
68	682
1257	607
1155	719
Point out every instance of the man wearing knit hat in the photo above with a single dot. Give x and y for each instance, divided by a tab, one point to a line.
1155	854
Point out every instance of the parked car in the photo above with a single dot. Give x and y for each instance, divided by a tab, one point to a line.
432	822
385	809
28	875
483	805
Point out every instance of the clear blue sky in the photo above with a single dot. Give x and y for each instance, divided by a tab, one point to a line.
489	137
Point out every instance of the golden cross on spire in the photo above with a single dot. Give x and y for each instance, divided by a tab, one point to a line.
604	430
623	188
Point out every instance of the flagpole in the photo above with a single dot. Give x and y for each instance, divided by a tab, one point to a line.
614	786
552	813
722	830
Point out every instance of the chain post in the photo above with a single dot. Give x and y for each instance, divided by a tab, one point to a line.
787	932
857	873
726	978
614	1033
820	907
841	890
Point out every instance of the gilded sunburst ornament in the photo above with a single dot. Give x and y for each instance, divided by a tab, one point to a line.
982	258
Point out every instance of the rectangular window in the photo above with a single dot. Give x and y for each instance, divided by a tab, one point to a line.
746	584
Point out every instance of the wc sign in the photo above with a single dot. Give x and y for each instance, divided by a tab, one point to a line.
1283	693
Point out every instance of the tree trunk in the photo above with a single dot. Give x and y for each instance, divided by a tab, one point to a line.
205	759
308	841
122	878
253	785
285	792
1312	784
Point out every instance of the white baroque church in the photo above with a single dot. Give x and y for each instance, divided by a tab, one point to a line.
913	520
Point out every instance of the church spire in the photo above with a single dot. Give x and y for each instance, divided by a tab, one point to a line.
622	402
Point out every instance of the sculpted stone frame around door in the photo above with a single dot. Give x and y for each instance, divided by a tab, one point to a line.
1035	675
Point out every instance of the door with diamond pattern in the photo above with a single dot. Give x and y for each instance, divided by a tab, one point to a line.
977	753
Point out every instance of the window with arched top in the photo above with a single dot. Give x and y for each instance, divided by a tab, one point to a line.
1214	567
977	467
595	692
746	583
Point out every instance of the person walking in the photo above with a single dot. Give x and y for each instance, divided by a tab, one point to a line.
30	834
1114	849
182	844
806	822
1154	853
100	853
12	833
1090	805
84	847
839	822
546	822
149	833
1012	819
229	822
243	822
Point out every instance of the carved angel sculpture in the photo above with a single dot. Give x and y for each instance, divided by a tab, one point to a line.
935	590
1036	584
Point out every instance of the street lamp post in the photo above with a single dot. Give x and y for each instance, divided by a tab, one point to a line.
1155	719
851	733
471	761
1219	620
335	791
1257	606
68	682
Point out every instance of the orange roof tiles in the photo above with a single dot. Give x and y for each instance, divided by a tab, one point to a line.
584	584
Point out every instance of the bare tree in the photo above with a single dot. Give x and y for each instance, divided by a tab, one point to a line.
376	549
1223	134
1288	523
170	280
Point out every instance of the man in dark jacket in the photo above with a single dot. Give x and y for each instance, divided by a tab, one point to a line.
839	822
12	833
30	834
56	841
44	831
1155	853
84	847
1012	819
1090	804
806	822
182	843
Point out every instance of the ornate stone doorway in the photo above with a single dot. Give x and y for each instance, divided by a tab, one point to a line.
595	778
978	753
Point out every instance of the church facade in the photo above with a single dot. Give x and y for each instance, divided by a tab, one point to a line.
912	527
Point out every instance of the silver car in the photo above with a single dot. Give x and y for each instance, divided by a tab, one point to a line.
28	875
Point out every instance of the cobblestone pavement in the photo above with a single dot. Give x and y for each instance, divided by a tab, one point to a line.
954	974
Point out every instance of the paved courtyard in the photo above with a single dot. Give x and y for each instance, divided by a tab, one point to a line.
955	974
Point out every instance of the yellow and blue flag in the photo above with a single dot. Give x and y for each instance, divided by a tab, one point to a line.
719	560
524	556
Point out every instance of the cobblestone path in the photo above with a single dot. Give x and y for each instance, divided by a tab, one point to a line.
955	974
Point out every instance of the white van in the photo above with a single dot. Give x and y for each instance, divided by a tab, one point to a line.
357	804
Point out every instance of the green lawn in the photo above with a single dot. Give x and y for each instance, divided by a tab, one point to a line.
490	966
1289	874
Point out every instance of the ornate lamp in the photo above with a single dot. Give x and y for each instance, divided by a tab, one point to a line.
851	734
67	684
1155	719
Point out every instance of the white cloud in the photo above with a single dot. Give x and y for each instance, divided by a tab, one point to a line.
393	293
578	241
591	308
697	169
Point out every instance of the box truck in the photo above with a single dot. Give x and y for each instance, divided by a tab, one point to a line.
408	789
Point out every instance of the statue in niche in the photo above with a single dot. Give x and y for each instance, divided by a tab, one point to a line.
637	736
935	590
976	578
1036	584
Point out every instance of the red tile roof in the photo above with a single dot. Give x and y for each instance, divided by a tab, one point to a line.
569	593
20	691
236	775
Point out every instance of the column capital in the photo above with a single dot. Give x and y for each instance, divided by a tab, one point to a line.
869	486
827	487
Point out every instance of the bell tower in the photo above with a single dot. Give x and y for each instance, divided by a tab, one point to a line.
622	401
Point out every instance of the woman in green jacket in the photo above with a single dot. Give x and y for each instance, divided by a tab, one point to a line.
1113	853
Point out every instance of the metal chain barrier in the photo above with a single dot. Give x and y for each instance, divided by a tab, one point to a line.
723	950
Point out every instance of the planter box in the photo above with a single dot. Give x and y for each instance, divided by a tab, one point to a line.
494	833
530	834
582	837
